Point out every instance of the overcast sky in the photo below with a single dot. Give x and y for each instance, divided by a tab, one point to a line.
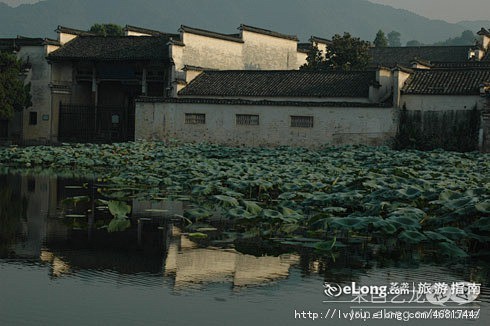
450	10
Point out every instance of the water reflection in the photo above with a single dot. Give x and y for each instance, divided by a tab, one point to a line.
153	264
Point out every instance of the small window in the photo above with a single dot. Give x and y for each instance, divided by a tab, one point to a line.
247	120
195	119
301	121
33	118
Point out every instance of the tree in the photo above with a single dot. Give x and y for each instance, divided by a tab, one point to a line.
394	38
314	60
344	52
380	41
107	30
347	52
14	95
466	38
414	43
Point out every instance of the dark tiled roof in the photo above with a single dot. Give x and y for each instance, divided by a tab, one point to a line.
281	83
206	33
259	30
391	56
483	31
215	101
147	31
72	31
446	82
11	44
462	65
113	48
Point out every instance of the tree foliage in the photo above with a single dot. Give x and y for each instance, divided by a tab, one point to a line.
107	30
344	52
394	39
380	41
14	95
466	38
414	43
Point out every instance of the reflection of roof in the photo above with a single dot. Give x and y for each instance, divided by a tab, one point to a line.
259	30
207	33
391	56
150	32
446	82
113	48
281	83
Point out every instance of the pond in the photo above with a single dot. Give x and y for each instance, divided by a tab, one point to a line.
59	265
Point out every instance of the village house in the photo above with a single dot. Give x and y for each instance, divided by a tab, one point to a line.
35	123
95	80
244	86
313	109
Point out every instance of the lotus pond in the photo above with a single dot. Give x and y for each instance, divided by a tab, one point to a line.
154	234
326	200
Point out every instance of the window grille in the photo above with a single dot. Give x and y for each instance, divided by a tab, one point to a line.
247	120
301	121
195	119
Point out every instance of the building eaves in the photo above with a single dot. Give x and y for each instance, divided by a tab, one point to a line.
263	31
316	39
72	31
217	101
147	31
210	34
483	31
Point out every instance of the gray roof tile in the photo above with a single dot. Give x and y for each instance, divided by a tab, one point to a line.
113	48
446	82
281	83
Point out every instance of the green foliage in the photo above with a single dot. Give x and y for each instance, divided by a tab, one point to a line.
394	39
344	52
428	130
314	60
414	43
107	30
348	53
380	41
466	38
354	194
14	95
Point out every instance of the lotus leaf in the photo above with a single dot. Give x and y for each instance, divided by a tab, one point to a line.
119	209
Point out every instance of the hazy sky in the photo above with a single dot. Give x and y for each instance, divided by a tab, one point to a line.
450	10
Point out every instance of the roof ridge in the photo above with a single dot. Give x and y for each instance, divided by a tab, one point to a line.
208	33
244	27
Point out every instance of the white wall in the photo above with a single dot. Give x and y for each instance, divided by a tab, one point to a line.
332	125
264	52
39	77
441	102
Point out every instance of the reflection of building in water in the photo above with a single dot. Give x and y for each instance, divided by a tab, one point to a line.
40	192
194	266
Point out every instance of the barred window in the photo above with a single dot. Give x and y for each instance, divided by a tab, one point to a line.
247	120
195	118
301	121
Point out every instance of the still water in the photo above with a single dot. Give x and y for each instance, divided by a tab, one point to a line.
58	267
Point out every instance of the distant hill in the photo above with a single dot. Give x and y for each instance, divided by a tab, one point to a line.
475	25
301	17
